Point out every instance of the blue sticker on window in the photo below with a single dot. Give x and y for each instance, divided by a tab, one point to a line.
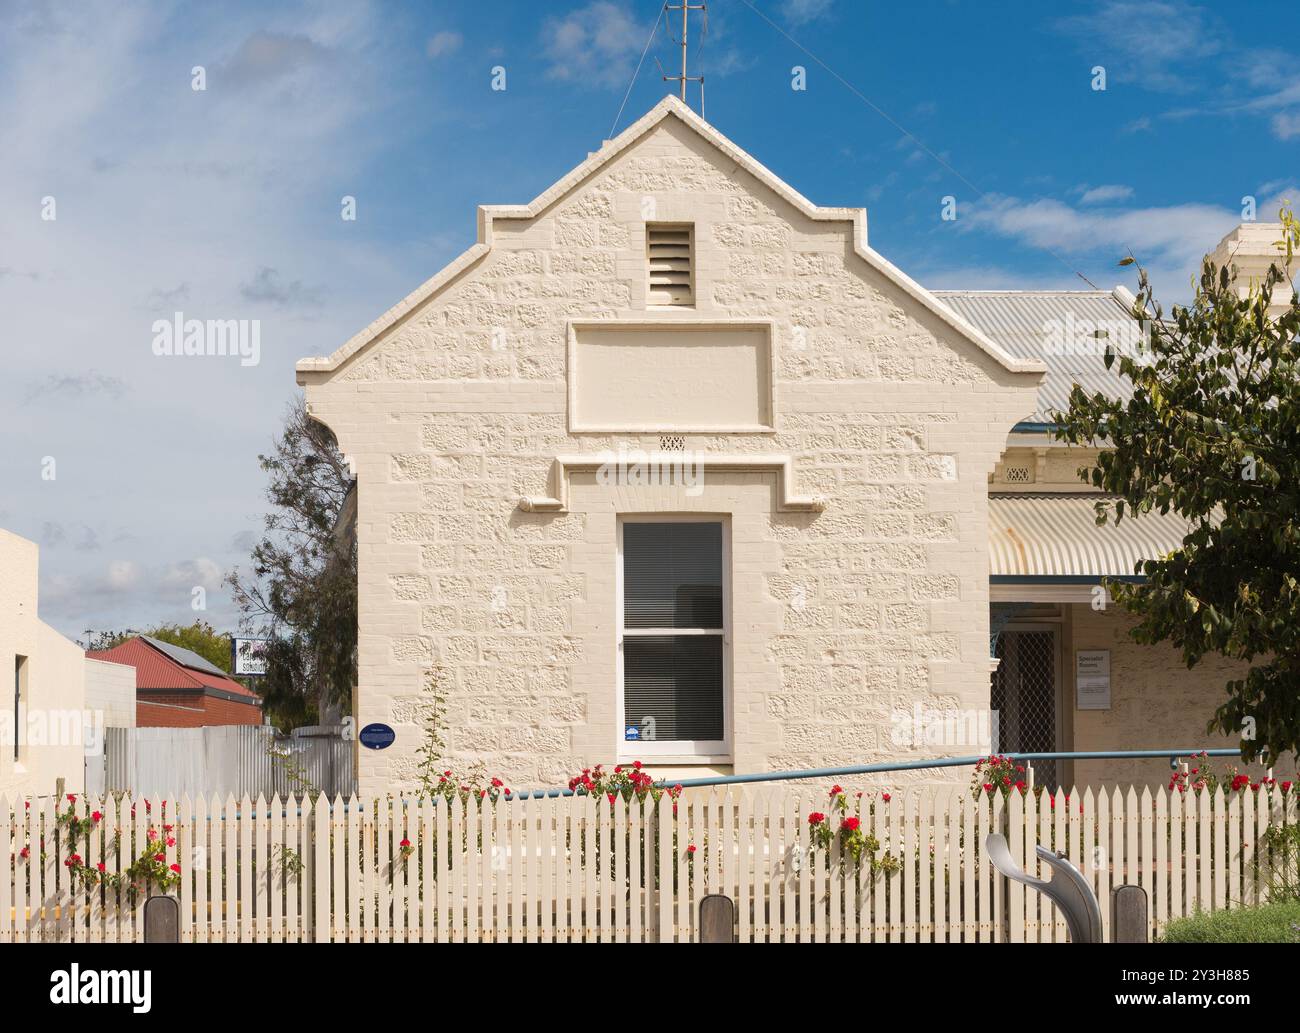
631	733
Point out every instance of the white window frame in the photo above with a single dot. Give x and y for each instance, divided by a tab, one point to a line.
686	751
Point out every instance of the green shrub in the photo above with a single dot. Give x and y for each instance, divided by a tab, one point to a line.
1272	923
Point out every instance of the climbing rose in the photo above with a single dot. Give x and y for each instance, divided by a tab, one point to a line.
160	857
404	843
852	824
96	816
816	818
176	868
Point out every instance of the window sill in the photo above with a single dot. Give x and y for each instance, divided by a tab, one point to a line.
658	760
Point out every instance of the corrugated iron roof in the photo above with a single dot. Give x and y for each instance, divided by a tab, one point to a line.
1058	536
1058	329
155	668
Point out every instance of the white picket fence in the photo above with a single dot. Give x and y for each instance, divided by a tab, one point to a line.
578	869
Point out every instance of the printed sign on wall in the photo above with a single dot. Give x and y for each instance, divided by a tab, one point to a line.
1092	679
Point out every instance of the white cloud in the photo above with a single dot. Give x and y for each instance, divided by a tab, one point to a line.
1286	124
443	43
172	198
800	12
597	44
1106	194
1169	241
1144	41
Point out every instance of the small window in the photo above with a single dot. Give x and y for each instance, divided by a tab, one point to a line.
670	252
673	638
20	686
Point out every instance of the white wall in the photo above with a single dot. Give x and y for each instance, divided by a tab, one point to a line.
52	709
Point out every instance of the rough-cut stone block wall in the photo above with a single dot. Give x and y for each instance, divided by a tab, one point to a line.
1156	702
839	618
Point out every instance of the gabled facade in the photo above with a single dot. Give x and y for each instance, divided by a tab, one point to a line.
669	466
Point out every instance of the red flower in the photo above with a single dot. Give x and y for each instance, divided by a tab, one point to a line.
171	841
691	849
176	868
25	852
636	764
816	818
96	816
160	857
71	798
101	866
497	783
404	843
885	797
852	824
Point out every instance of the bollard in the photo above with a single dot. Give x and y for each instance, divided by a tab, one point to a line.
162	920
717	919
1128	914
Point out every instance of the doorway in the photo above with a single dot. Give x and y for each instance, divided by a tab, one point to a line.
1024	696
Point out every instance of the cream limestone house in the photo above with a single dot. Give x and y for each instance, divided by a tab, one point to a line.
671	466
57	702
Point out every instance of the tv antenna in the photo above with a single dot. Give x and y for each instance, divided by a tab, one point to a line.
686	7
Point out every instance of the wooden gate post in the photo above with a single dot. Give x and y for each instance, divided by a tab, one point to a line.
717	919
1128	914
162	920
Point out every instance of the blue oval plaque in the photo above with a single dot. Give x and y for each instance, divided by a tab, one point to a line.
377	737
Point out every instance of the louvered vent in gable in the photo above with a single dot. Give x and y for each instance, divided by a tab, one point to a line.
670	252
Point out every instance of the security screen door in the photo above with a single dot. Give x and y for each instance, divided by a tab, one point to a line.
673	637
1024	697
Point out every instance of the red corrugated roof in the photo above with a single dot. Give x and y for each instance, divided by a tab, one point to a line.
154	669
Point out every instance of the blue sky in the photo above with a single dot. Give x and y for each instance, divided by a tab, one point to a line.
225	202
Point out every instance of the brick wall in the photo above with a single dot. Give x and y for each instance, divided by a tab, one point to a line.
191	710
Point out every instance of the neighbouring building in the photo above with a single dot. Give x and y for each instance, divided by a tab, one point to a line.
177	688
56	702
671	466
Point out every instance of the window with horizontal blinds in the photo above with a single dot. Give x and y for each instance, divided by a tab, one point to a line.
672	634
672	686
672	575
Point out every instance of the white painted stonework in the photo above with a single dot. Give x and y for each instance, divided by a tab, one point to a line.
487	545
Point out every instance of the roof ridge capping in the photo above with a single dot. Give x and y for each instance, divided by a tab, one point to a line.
609	150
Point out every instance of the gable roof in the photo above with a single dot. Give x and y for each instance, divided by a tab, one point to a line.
672	107
160	665
1022	323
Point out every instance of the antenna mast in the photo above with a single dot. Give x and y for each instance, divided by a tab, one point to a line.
686	7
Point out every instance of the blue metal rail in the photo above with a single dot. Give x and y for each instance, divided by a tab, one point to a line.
910	765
